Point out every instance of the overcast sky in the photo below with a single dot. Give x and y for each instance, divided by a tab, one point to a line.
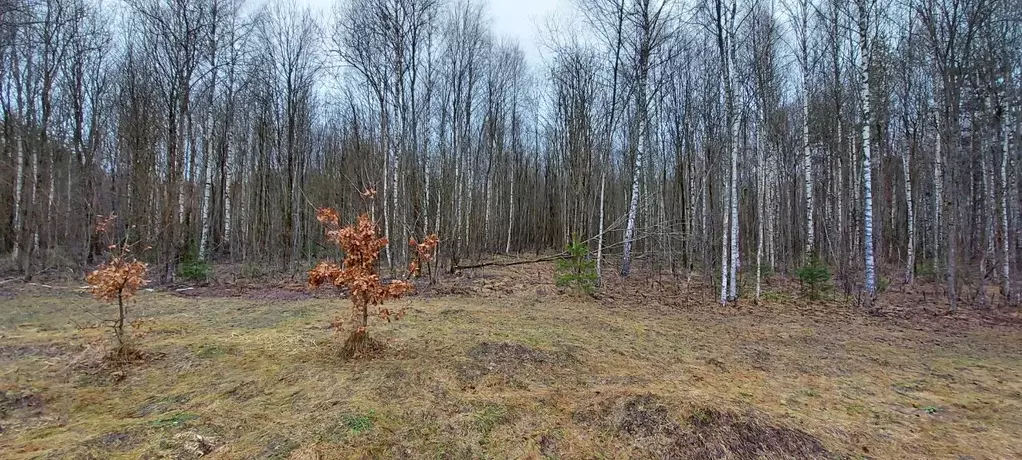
516	19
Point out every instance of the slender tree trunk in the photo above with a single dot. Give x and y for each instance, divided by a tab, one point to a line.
724	231
910	264
599	235
119	326
189	153
633	210
34	209
733	280
733	188
397	216
938	190
511	213
19	182
760	186
1005	187
207	189
228	179
807	161
641	147
989	206
732	117
385	149
867	173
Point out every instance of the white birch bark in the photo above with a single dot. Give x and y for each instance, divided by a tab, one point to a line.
35	194
867	173
50	194
207	190
724	230
938	187
641	148
733	279
247	158
488	184
395	212
511	217
910	264
19	182
426	203
771	210
385	147
599	236
988	189
470	186
704	185
1005	236
760	185
989	208
807	161
228	178
840	189
633	203
188	174
732	116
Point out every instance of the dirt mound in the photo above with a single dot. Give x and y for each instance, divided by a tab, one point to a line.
507	354
27	401
114	441
721	434
633	415
33	350
707	433
511	364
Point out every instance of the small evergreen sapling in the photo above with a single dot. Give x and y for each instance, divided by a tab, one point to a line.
813	276
577	270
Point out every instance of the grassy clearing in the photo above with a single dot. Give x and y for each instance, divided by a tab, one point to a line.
509	368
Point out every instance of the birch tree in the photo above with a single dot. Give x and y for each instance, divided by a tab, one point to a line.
648	19
865	26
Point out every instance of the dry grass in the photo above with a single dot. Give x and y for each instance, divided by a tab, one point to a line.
502	364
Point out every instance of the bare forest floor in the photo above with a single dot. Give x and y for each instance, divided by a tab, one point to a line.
500	363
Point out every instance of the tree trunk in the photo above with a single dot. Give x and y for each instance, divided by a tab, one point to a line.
207	189
910	264
19	182
760	185
807	161
867	173
511	212
1005	187
640	148
938	190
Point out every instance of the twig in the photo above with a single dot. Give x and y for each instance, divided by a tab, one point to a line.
509	264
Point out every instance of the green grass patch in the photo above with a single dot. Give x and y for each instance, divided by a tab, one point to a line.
174	421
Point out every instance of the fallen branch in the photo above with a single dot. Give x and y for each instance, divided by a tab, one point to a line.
509	264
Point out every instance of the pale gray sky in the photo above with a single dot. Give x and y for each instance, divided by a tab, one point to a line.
521	20
516	19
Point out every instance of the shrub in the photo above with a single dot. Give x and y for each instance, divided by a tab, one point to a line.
882	284
577	270
194	269
252	270
813	276
358	273
119	278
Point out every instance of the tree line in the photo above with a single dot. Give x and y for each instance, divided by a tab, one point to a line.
696	137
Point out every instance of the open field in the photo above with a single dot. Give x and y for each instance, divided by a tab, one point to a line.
502	364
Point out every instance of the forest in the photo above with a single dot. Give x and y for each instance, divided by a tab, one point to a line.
680	229
692	137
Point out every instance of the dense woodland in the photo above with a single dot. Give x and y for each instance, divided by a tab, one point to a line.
696	138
